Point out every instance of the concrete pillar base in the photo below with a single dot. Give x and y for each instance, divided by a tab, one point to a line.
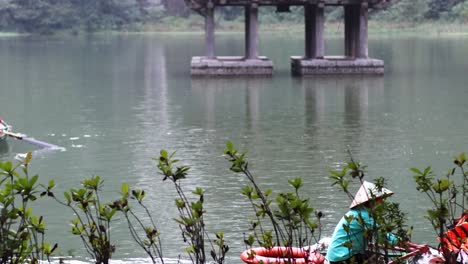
301	66
231	66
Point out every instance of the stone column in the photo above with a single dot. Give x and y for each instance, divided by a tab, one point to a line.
362	46
251	31
314	28
356	20
210	31
348	30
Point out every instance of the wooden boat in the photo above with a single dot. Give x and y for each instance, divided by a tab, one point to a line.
4	127
6	131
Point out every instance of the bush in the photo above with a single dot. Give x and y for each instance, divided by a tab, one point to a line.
387	216
461	11
191	214
290	214
21	232
448	195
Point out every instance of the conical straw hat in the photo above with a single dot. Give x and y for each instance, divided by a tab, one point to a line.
368	191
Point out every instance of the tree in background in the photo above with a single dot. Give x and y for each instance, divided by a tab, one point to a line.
403	10
47	16
461	11
440	8
176	8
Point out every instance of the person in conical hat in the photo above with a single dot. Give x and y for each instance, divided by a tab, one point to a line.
368	192
366	198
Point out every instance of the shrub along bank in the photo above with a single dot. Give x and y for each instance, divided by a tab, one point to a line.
286	220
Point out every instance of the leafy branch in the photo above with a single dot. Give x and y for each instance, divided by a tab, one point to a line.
93	219
290	218
191	214
22	234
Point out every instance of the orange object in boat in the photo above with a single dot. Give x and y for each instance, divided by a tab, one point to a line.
281	255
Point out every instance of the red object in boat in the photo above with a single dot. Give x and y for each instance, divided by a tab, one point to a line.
281	255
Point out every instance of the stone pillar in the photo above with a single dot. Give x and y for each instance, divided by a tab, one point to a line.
362	47
349	14
356	44
251	31
314	28
210	31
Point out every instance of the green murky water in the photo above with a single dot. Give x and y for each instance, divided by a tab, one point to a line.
114	101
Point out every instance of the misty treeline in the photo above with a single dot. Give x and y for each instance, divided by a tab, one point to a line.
45	16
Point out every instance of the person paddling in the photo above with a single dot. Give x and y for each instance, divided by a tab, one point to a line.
3	127
348	241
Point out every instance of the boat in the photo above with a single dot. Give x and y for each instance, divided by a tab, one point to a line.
4	127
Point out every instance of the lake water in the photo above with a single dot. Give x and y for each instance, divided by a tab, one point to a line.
115	101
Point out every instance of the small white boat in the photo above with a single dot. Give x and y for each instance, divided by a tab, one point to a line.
4	127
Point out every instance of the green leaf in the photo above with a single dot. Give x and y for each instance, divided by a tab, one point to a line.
51	184
190	250
198	191
442	185
125	188
296	183
33	180
179	203
462	157
163	154
417	171
336	173
348	244
229	146
67	196
427	170
349	218
6	166
75	231
28	158
247	191
346	228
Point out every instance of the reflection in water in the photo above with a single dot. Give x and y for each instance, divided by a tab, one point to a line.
153	130
356	105
254	88
347	99
211	89
335	121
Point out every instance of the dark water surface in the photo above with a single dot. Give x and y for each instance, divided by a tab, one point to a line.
114	101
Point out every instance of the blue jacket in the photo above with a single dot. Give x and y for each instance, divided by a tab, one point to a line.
336	250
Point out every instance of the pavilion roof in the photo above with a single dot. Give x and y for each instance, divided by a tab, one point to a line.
200	5
293	2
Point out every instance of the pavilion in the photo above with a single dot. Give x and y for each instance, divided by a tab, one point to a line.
355	59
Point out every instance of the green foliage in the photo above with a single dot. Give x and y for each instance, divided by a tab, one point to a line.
145	235
448	194
191	213
47	16
461	11
387	216
440	8
403	10
289	214
92	222
22	234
